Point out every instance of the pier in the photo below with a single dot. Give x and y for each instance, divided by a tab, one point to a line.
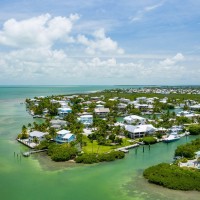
28	153
125	149
27	143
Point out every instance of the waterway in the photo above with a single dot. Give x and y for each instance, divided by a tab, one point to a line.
37	177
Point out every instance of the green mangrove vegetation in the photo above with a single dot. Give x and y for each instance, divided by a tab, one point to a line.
149	140
173	177
188	150
95	158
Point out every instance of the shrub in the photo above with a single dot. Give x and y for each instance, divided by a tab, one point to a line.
188	150
87	158
94	158
194	129
62	152
149	140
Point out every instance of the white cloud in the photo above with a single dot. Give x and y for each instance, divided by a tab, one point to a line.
34	55
40	31
43	65
141	13
172	61
99	43
153	7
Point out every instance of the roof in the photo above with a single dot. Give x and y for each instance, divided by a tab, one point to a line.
140	128
86	116
197	153
67	136
195	106
64	109
132	117
37	134
57	122
63	132
102	110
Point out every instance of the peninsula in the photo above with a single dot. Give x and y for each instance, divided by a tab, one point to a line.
102	126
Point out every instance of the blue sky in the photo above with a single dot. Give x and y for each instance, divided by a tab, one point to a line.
99	42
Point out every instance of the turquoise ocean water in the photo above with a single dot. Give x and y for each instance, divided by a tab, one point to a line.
37	177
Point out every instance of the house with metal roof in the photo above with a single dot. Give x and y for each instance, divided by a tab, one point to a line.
134	119
64	136
102	112
140	130
37	134
86	119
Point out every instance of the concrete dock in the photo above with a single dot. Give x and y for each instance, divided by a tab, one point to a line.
125	149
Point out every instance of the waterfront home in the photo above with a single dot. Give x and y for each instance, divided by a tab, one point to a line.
134	119
102	112
187	114
36	135
62	112
143	107
190	102
140	130
176	129
195	107
64	136
86	119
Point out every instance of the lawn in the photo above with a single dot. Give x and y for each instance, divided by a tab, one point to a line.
95	148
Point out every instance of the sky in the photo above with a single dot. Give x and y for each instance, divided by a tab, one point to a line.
101	42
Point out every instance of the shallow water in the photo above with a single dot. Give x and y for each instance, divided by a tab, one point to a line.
37	177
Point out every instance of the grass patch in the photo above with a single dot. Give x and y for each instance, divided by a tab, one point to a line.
95	148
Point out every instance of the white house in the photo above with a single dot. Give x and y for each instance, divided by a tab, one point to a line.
37	134
140	130
86	119
134	119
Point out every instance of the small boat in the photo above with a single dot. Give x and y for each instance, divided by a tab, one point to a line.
172	137
26	154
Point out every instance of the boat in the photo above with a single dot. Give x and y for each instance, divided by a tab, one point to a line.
171	137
